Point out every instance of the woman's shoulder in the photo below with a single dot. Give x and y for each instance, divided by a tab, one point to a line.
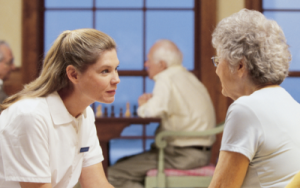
265	97
28	107
29	112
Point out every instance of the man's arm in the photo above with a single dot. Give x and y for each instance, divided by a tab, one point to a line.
157	104
230	171
35	185
144	98
94	177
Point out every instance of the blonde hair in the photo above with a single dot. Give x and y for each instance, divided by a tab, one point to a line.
79	48
248	35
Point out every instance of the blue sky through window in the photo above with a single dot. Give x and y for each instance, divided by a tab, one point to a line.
289	22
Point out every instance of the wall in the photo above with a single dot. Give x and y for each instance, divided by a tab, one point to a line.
227	7
10	26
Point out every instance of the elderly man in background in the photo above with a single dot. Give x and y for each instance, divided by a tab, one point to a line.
6	66
183	104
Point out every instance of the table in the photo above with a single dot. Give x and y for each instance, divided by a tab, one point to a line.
109	128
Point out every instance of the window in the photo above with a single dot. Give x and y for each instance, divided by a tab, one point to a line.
287	14
135	25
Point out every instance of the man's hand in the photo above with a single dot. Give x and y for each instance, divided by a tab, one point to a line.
144	98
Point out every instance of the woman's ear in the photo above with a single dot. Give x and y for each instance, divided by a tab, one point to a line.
241	68
72	74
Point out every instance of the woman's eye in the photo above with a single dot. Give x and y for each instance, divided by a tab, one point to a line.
105	71
117	68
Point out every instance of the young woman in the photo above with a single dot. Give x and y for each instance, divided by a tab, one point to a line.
47	134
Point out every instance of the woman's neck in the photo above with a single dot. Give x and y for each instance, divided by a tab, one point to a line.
73	102
250	88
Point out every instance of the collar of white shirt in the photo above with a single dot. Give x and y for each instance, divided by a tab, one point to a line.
58	111
167	71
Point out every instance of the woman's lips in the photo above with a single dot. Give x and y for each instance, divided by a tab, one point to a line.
111	91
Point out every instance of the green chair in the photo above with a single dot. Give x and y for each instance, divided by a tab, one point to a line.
163	181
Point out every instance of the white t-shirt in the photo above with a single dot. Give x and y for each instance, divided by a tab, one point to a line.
265	127
183	103
41	142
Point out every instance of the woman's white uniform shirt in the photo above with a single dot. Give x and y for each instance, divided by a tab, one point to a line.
265	127
41	142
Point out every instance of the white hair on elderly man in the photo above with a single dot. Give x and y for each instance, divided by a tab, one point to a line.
2	42
168	52
259	42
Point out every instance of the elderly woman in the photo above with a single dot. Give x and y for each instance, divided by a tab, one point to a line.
261	142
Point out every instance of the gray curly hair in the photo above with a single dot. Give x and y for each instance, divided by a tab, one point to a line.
247	35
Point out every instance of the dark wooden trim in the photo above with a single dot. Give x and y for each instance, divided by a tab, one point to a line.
32	38
125	9
41	21
282	10
144	49
14	83
138	137
294	74
197	38
208	20
254	5
132	73
144	72
129	120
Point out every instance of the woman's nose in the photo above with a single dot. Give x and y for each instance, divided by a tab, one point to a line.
116	78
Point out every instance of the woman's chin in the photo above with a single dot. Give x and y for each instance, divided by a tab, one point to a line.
107	100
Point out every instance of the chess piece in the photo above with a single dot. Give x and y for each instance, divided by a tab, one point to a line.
127	113
105	112
112	113
99	111
134	111
121	112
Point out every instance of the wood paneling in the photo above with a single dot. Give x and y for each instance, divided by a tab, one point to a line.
294	74
14	83
32	47
254	5
32	38
207	17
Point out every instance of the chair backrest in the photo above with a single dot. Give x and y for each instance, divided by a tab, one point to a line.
295	183
161	143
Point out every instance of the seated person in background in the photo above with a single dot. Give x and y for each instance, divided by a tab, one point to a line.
261	142
6	66
183	103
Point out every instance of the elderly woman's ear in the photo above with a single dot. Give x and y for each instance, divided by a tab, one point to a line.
241	69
